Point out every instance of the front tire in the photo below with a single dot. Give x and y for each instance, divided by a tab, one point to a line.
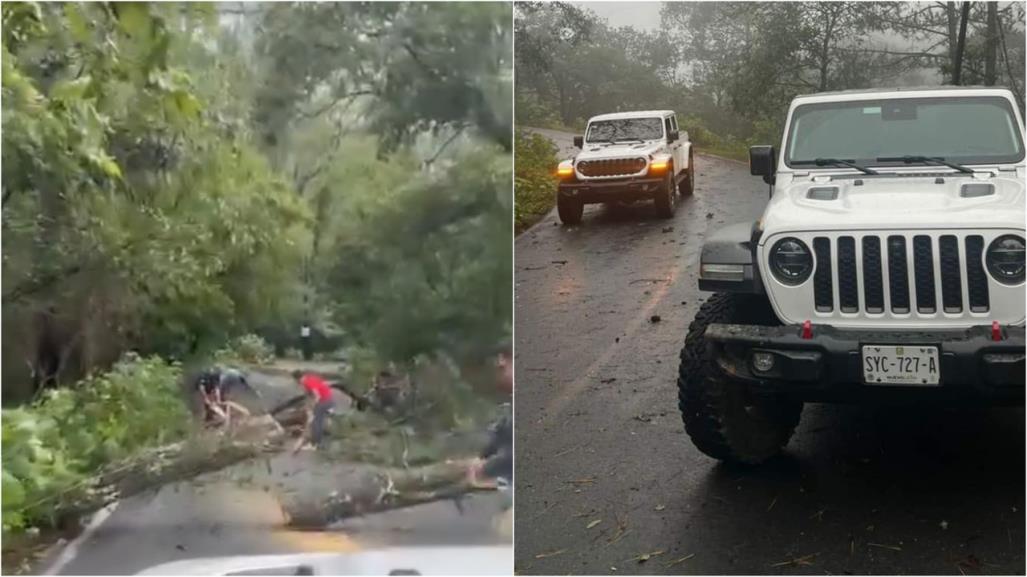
722	417
570	210
666	197
688	186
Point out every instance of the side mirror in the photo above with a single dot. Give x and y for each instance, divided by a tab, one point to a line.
763	162
579	141
673	136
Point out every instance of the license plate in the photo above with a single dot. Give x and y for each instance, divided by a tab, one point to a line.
909	365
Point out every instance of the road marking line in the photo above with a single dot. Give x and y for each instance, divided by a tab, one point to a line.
571	391
70	551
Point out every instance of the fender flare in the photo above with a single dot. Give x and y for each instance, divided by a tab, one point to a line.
734	244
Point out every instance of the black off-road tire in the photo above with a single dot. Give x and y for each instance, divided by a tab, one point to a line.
725	420
687	186
666	197
570	211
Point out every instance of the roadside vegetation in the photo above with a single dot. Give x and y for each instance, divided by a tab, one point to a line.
729	69
534	178
192	183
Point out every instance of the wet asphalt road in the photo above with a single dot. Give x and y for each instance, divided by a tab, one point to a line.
234	512
606	474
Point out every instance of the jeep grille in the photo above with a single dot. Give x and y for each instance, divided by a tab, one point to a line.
923	278
916	278
611	167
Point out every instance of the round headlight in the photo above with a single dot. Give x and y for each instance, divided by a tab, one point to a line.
791	261
1005	259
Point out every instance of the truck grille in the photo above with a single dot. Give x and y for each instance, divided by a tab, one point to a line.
953	268
611	167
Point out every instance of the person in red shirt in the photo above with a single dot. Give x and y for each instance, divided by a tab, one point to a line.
319	406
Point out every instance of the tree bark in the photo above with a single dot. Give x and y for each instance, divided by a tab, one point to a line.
961	44
991	45
391	489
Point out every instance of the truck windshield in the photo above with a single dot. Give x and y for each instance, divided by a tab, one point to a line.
964	130
625	129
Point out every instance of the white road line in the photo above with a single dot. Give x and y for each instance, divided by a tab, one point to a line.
71	550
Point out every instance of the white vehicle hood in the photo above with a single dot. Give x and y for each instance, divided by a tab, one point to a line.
597	151
471	560
910	202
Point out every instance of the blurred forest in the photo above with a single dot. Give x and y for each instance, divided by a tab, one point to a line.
729	69
178	175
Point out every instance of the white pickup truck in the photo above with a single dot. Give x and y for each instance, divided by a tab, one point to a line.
627	156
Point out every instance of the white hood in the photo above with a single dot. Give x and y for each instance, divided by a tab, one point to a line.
598	151
908	202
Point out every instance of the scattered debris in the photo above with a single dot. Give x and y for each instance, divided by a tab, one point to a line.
709	215
660	507
678	561
944	525
558	261
593	523
798	561
772	503
655	319
882	546
607	381
550	554
667	229
647	556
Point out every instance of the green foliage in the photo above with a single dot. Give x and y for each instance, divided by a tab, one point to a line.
69	433
534	179
248	348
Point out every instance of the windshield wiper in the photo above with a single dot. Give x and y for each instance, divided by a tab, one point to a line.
836	162
939	161
629	140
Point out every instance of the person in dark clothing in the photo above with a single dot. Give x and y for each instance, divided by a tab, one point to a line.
494	467
213	385
497	456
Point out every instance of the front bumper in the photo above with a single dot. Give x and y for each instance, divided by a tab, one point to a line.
828	366
592	191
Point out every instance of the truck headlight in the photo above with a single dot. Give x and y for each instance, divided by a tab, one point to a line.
565	169
791	261
1005	259
659	164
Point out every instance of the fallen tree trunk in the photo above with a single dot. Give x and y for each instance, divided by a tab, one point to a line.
168	464
390	489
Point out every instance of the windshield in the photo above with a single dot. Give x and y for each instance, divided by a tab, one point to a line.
978	130
625	129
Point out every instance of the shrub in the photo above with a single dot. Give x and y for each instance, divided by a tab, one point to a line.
248	349
69	433
534	178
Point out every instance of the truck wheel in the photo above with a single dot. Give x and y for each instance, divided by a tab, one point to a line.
688	184
569	210
666	197
724	420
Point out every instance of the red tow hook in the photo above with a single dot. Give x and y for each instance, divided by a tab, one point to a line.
807	330
996	331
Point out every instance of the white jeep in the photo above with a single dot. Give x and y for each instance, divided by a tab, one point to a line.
888	265
627	156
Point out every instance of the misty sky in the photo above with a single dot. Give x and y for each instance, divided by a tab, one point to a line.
641	15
